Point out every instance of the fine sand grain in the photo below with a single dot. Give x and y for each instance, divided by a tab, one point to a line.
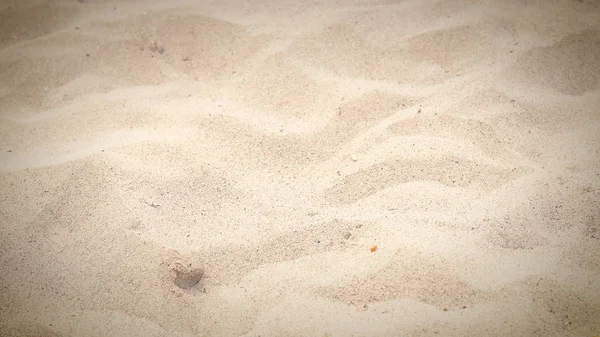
300	168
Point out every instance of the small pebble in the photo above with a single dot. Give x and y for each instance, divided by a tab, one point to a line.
354	157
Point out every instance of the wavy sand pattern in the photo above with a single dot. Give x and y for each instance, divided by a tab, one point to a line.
218	168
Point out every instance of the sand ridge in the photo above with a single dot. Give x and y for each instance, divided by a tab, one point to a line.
223	168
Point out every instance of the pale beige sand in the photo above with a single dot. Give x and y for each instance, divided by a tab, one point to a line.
271	144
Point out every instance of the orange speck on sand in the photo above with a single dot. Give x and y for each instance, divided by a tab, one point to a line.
373	248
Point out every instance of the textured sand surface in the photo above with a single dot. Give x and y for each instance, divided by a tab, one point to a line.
223	168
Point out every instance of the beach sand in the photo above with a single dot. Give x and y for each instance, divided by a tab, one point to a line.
300	168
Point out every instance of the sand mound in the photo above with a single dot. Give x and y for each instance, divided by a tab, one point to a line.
269	168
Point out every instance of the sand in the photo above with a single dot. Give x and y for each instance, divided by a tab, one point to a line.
296	168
